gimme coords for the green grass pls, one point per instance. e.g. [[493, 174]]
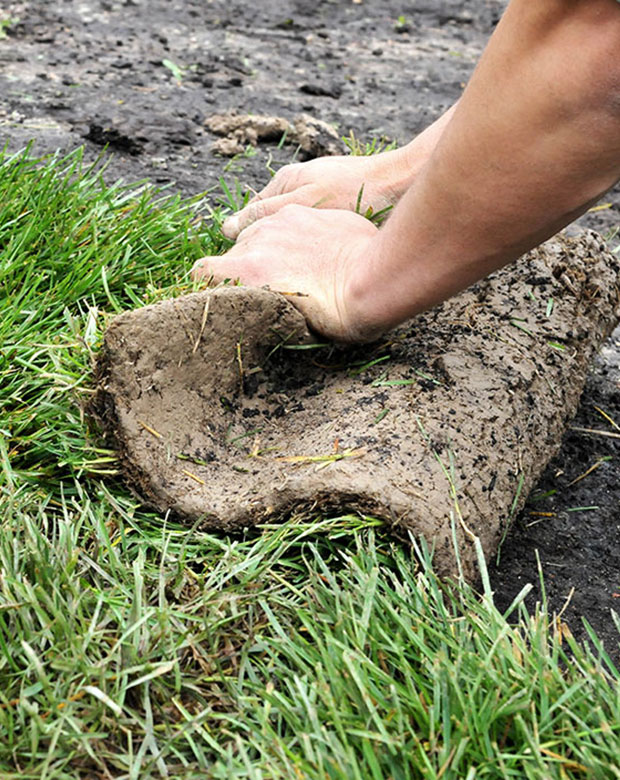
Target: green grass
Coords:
[[133, 647]]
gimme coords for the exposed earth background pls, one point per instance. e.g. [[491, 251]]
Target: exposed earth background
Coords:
[[142, 76]]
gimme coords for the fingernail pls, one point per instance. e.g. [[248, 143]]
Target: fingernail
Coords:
[[230, 227]]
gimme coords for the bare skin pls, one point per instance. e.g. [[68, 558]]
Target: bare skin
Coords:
[[533, 142], [336, 182]]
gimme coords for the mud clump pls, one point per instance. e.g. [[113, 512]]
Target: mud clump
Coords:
[[314, 137], [441, 429]]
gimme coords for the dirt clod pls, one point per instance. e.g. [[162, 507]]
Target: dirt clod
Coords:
[[314, 137], [218, 418]]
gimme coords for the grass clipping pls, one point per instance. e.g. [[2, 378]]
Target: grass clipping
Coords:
[[225, 413]]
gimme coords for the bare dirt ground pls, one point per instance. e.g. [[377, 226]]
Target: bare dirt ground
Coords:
[[143, 75]]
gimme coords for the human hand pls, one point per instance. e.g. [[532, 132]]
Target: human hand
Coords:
[[344, 182], [353, 183], [309, 255]]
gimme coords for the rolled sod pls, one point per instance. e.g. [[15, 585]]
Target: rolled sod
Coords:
[[227, 413]]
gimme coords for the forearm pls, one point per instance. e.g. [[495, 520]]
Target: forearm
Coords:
[[534, 140]]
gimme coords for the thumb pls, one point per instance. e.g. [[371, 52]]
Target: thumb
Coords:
[[258, 209]]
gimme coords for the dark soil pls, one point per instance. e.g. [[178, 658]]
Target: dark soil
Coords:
[[91, 72]]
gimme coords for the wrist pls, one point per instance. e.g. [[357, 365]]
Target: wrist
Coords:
[[380, 291], [398, 169]]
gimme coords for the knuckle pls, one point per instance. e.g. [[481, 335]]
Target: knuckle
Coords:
[[287, 170], [255, 211], [287, 178]]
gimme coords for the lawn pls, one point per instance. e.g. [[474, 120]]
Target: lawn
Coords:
[[134, 647]]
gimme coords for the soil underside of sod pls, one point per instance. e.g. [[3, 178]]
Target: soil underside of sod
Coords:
[[93, 73]]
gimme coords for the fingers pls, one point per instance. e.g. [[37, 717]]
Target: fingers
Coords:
[[217, 269], [247, 232], [287, 179], [257, 209], [242, 263]]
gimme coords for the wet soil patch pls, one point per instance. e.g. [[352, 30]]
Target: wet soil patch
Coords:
[[100, 72]]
